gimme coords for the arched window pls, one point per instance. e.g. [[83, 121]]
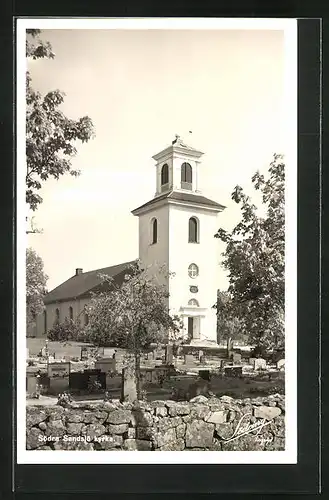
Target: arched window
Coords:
[[57, 315], [86, 319], [193, 230], [186, 176], [193, 302], [154, 237], [164, 174], [193, 271], [71, 313]]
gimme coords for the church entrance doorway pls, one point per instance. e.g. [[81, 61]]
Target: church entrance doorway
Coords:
[[193, 327]]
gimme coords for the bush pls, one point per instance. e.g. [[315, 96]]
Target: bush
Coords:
[[68, 330]]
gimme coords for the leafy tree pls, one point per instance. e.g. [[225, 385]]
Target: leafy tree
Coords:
[[36, 281], [133, 315], [50, 135], [254, 258]]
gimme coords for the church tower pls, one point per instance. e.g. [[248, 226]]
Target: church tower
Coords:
[[176, 233]]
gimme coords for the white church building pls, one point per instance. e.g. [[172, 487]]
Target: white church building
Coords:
[[176, 234]]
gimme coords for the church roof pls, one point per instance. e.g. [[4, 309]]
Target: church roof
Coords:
[[182, 196], [82, 284], [180, 146]]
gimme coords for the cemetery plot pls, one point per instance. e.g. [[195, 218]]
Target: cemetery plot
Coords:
[[58, 369], [106, 365]]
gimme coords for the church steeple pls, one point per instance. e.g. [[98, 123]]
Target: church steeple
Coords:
[[177, 168]]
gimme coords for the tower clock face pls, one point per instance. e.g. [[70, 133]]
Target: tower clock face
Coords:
[[194, 289]]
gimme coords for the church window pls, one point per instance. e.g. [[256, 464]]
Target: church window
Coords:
[[193, 271], [86, 319], [154, 227], [186, 176], [71, 313], [193, 302], [193, 230], [164, 174], [57, 316]]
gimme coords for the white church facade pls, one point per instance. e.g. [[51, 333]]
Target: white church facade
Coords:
[[176, 246], [176, 230]]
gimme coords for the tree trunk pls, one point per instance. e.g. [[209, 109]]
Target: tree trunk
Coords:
[[137, 372]]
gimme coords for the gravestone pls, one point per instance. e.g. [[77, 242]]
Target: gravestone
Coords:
[[204, 374], [58, 369], [201, 356], [223, 363], [106, 365], [281, 364], [236, 358], [84, 354], [169, 354], [252, 362], [58, 385], [79, 381], [189, 359], [108, 352], [128, 385], [157, 353], [31, 384], [233, 371], [260, 364]]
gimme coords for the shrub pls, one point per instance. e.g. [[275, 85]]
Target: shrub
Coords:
[[67, 330]]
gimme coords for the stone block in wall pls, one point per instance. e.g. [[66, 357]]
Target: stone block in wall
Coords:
[[74, 445], [165, 438], [169, 422], [55, 428], [267, 412], [110, 442], [93, 430], [74, 428], [200, 411], [119, 417], [33, 438], [55, 412], [161, 411], [142, 418], [247, 442], [35, 416], [180, 430], [117, 428], [131, 433], [179, 409], [224, 430], [177, 445], [137, 444], [199, 434], [217, 417], [199, 399]]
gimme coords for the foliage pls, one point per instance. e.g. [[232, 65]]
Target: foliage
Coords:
[[229, 326], [67, 330], [132, 315], [50, 135], [36, 281], [254, 258]]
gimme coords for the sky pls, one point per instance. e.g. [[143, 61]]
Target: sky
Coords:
[[140, 88]]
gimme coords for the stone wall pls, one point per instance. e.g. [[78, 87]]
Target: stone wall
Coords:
[[201, 424]]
